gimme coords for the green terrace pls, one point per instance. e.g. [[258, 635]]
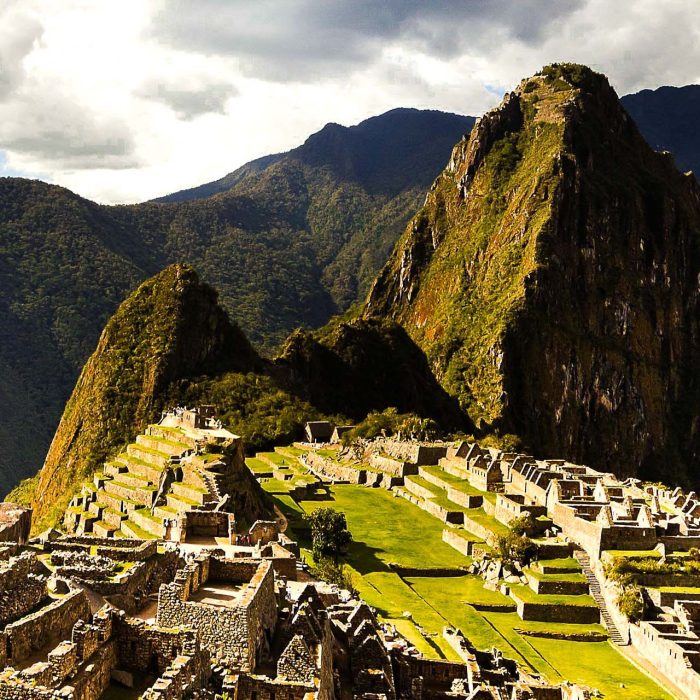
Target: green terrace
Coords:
[[529, 596], [458, 483], [393, 530]]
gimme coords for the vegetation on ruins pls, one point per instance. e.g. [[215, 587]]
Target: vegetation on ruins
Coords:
[[334, 572], [330, 536], [631, 603], [626, 569], [391, 422], [512, 548], [522, 524]]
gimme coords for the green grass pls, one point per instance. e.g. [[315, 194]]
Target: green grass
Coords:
[[577, 577], [564, 563], [277, 485], [479, 516], [529, 596], [257, 466], [601, 666], [387, 529], [274, 457]]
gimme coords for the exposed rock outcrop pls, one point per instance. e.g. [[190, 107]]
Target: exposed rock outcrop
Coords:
[[552, 280]]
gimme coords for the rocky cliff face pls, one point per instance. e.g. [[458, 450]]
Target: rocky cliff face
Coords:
[[352, 367], [170, 329], [552, 280]]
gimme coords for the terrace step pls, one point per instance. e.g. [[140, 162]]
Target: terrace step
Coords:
[[144, 520], [116, 503], [131, 530], [137, 466], [150, 456], [191, 492], [595, 591], [131, 493], [163, 445]]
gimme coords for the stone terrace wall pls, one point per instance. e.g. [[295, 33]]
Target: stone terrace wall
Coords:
[[117, 549], [334, 471], [232, 633], [22, 638], [409, 451], [15, 523]]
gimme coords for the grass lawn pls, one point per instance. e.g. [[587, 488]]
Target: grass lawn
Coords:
[[564, 564], [555, 576], [257, 466], [601, 666], [388, 529], [529, 596], [478, 515]]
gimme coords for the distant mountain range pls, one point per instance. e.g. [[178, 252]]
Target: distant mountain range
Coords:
[[668, 119], [288, 240]]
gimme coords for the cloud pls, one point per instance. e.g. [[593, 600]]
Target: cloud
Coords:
[[188, 102], [127, 101], [306, 40], [19, 33]]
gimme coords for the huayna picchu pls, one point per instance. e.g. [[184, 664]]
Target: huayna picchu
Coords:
[[551, 280]]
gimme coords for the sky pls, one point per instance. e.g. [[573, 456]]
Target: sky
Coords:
[[125, 100]]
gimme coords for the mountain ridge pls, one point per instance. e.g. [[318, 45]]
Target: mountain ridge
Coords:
[[292, 244], [555, 202]]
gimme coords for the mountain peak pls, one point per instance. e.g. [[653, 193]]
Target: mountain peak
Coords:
[[169, 329], [531, 278]]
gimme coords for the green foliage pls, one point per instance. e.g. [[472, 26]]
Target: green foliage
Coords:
[[626, 569], [291, 241], [335, 572], [631, 603], [253, 406], [329, 533], [515, 548], [523, 524], [391, 422]]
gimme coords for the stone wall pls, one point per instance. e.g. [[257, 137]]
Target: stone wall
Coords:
[[539, 612], [667, 657], [208, 523], [56, 620], [414, 452], [447, 516], [117, 549], [333, 471], [235, 634], [556, 587], [462, 545], [15, 523]]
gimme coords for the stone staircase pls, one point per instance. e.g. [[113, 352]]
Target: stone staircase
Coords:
[[132, 497], [595, 591]]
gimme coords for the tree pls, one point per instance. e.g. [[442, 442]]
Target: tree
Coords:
[[631, 603], [329, 533], [331, 572], [513, 547]]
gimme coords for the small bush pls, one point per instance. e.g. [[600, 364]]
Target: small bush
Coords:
[[523, 524], [631, 603], [331, 572]]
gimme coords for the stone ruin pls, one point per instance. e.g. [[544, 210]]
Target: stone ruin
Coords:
[[82, 616], [173, 481]]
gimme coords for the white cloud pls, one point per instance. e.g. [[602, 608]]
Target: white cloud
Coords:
[[123, 101]]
